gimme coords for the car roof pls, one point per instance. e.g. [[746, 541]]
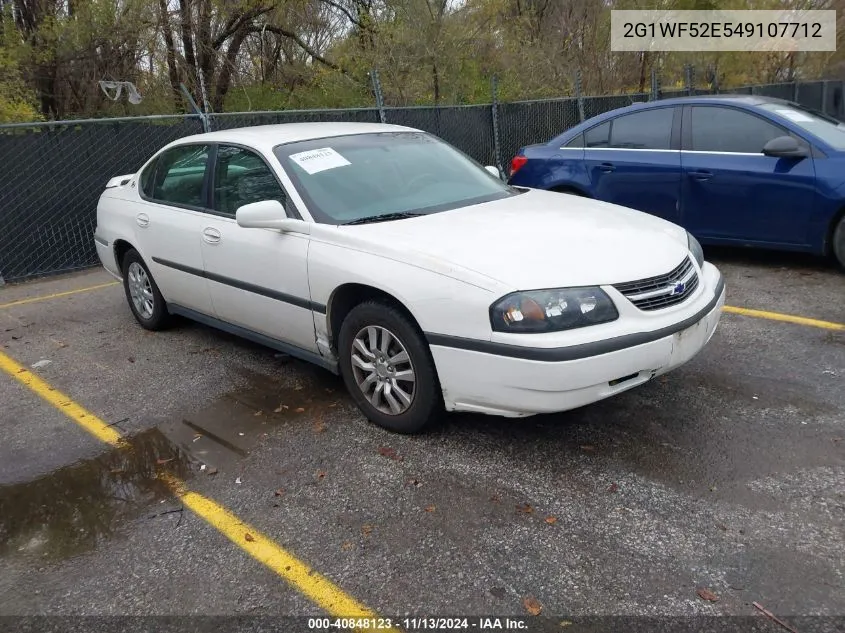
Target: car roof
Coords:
[[266, 137]]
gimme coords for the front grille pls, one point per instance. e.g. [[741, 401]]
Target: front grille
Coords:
[[662, 291]]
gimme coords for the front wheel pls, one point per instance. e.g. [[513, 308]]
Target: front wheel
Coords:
[[839, 242], [387, 367]]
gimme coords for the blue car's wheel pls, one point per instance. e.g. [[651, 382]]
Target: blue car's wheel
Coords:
[[839, 242]]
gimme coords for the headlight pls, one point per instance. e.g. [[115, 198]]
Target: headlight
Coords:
[[538, 311], [695, 249]]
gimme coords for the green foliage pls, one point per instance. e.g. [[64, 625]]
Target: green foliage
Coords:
[[303, 54]]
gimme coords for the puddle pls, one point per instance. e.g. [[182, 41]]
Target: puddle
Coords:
[[222, 433], [71, 510]]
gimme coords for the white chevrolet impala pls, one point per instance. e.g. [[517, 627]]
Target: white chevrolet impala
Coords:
[[384, 254]]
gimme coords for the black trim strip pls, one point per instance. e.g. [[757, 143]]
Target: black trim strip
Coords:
[[261, 339], [574, 352], [100, 240], [242, 285]]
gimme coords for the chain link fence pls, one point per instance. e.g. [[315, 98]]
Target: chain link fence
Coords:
[[55, 172]]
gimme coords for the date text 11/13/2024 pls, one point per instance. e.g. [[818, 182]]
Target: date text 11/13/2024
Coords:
[[418, 624]]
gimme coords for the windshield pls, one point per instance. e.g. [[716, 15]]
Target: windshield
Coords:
[[819, 125], [347, 178]]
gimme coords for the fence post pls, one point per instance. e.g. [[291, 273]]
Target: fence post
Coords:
[[689, 75], [795, 87], [206, 125], [715, 83], [824, 97], [379, 96], [655, 86], [578, 96], [497, 148]]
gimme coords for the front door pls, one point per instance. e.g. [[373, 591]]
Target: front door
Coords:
[[258, 278], [731, 190]]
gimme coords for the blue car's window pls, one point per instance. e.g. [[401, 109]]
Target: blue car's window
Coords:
[[716, 129], [360, 176], [830, 131], [598, 136], [649, 129]]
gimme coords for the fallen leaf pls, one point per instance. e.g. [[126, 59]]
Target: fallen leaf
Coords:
[[551, 520], [613, 487], [258, 413], [163, 461], [532, 605], [366, 529], [116, 471], [722, 527], [319, 425], [212, 471], [415, 482], [249, 537], [346, 545], [706, 594], [321, 474], [280, 408], [131, 359], [386, 451], [495, 499], [525, 509], [430, 508], [589, 448], [299, 410], [279, 492], [298, 388]]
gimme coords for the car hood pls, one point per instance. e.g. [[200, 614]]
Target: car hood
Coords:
[[538, 239]]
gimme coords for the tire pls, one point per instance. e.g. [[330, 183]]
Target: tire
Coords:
[[150, 310], [571, 192], [420, 402], [838, 245]]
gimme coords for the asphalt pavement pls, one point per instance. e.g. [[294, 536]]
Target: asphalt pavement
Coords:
[[714, 487]]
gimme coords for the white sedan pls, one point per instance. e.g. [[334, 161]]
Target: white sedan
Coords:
[[384, 254]]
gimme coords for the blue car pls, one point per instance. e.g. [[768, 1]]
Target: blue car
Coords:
[[731, 169]]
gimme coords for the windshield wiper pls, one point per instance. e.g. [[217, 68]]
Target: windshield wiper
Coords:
[[384, 217]]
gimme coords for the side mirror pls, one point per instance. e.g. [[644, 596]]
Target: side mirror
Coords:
[[494, 170], [784, 147], [269, 214]]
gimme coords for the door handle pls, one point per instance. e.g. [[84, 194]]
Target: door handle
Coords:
[[143, 220], [607, 167], [700, 175], [211, 235]]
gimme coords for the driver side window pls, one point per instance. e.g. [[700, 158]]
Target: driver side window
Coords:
[[242, 177], [717, 129]]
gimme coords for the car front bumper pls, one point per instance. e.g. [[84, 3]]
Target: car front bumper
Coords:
[[507, 385]]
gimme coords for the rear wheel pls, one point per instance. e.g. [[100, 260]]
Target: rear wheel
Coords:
[[839, 242], [142, 293], [387, 367]]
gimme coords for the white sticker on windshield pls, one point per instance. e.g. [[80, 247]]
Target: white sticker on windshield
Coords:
[[317, 160], [795, 115]]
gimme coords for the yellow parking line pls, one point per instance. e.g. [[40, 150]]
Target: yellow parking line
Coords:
[[56, 295], [787, 318], [300, 575], [84, 418]]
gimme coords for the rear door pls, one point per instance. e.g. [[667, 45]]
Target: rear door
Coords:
[[634, 160], [731, 190], [258, 278], [168, 221]]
